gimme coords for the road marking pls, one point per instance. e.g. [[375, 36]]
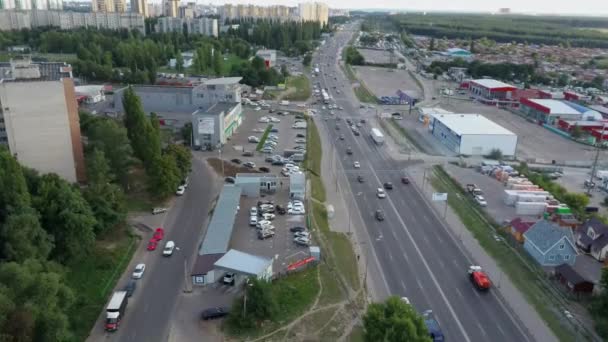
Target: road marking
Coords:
[[458, 291], [403, 285], [483, 331]]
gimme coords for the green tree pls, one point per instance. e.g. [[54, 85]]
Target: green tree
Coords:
[[394, 321], [284, 71], [65, 215], [432, 44], [163, 176], [599, 307], [261, 306], [23, 238], [186, 134], [218, 63], [145, 139], [307, 59], [495, 154], [182, 157], [179, 62]]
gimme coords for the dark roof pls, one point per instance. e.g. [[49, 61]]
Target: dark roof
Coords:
[[520, 225], [570, 274], [600, 242], [597, 225], [204, 263], [600, 229]]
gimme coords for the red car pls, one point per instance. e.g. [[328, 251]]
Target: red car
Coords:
[[152, 244], [479, 278], [159, 233]]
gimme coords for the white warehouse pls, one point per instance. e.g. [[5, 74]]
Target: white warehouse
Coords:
[[472, 134]]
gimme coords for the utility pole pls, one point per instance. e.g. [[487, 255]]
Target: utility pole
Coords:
[[597, 156]]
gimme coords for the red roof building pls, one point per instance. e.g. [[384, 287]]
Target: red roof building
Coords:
[[492, 92]]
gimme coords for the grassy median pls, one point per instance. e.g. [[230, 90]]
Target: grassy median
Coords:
[[524, 278], [260, 145]]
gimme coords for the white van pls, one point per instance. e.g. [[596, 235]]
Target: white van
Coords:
[[169, 247]]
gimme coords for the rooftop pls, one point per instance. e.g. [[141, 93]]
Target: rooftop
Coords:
[[492, 84], [544, 235], [204, 263], [223, 81], [242, 262], [463, 124], [221, 225], [216, 108]]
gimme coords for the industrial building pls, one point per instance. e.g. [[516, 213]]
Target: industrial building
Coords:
[[472, 134], [44, 134], [212, 127], [550, 111], [184, 99], [269, 57], [253, 184], [490, 91]]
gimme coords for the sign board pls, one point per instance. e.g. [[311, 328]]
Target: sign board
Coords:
[[206, 126], [440, 196]]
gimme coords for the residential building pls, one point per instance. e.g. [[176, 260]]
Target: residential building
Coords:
[[277, 12], [155, 10], [491, 91], [171, 8], [140, 7], [104, 6], [31, 5], [339, 12], [472, 134], [43, 134], [550, 245], [204, 26], [314, 11], [592, 238], [573, 280], [120, 6], [518, 227], [213, 126], [550, 111], [22, 67], [187, 11], [269, 57], [16, 20]]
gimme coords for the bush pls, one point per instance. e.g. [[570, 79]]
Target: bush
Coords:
[[495, 154]]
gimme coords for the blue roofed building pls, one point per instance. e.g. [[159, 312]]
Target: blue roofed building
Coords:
[[458, 52], [550, 245]]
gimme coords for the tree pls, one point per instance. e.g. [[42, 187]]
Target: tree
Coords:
[[284, 71], [65, 215], [599, 307], [307, 59], [182, 157], [432, 44], [394, 321], [144, 138], [98, 169], [186, 134], [261, 306], [23, 238], [179, 62], [218, 63], [577, 132], [163, 176]]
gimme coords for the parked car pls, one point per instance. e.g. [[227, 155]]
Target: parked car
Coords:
[[139, 270], [229, 278], [180, 190], [302, 234], [152, 244], [302, 241], [169, 247], [281, 210], [253, 220], [156, 211], [265, 234], [481, 200], [250, 165], [300, 135], [159, 234], [213, 313], [236, 161], [264, 169], [253, 139], [247, 153], [230, 180], [297, 229]]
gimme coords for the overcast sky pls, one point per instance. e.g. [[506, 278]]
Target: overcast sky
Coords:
[[592, 7]]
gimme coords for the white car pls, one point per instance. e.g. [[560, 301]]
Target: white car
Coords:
[[406, 300], [258, 108], [302, 241], [268, 216], [302, 234], [356, 165], [253, 221], [380, 193], [263, 120], [294, 203], [296, 211], [139, 271], [169, 247], [263, 223], [300, 141], [253, 211], [180, 190], [481, 201], [253, 139], [275, 120]]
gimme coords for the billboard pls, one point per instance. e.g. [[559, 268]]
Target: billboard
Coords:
[[206, 126]]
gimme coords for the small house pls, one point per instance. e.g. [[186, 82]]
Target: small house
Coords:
[[517, 228], [549, 244], [592, 238], [572, 280]]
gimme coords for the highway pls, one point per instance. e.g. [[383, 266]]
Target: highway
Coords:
[[417, 255]]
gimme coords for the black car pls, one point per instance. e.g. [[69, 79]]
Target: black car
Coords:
[[297, 229], [130, 287], [379, 215], [270, 110], [337, 127], [230, 180], [362, 121], [236, 161], [356, 132], [349, 151], [300, 135], [213, 313], [388, 186], [360, 179], [264, 169], [281, 210], [265, 202], [269, 159], [405, 180], [247, 154], [341, 136]]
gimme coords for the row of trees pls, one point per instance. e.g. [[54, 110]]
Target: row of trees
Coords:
[[538, 30], [504, 71], [353, 56]]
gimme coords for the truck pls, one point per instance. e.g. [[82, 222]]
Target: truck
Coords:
[[116, 310], [377, 136], [474, 190]]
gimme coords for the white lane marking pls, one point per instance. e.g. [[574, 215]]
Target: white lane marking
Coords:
[[404, 287], [458, 291], [424, 262], [440, 261], [483, 331], [390, 256]]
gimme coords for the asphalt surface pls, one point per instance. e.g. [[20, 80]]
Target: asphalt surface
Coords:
[[418, 256], [149, 311]]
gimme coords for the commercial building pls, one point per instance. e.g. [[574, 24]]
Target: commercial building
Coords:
[[16, 20], [184, 99], [297, 186], [550, 111], [23, 68], [269, 57], [472, 134], [211, 127], [253, 184], [314, 11], [43, 134], [244, 265], [204, 26], [491, 91]]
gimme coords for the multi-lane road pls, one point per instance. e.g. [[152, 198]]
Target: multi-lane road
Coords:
[[416, 254]]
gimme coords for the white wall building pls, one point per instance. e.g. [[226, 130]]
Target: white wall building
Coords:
[[204, 26], [314, 11], [472, 134]]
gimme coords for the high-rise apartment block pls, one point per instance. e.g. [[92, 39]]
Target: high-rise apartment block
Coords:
[[310, 11], [140, 7], [171, 8], [314, 11], [204, 26], [31, 4], [16, 20]]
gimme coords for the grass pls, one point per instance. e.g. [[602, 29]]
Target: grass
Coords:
[[301, 84], [356, 335], [524, 278], [264, 137], [332, 291], [93, 278], [394, 126], [313, 161], [363, 94]]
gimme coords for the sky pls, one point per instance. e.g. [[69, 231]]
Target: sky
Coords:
[[585, 7]]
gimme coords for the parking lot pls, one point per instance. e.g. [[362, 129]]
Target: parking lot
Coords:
[[386, 82]]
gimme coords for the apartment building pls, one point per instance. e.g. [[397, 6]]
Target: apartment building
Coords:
[[314, 11], [31, 4], [16, 20], [140, 7], [204, 26], [279, 12], [43, 134], [171, 8]]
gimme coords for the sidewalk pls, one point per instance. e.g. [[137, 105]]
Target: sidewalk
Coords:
[[514, 300]]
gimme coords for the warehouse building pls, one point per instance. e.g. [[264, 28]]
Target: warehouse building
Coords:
[[490, 91], [254, 184], [472, 134], [549, 111], [211, 127]]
